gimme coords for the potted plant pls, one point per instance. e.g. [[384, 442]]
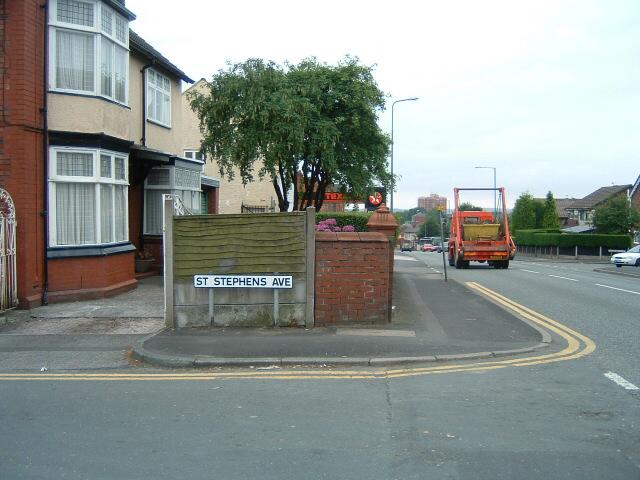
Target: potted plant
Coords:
[[144, 260]]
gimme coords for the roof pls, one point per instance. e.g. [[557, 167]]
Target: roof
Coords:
[[599, 196], [209, 181], [562, 204], [579, 229], [636, 187], [408, 228], [137, 43]]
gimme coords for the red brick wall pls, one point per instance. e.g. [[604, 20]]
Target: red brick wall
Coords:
[[21, 136], [90, 277], [352, 278]]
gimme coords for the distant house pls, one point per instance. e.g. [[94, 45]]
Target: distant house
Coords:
[[409, 232], [634, 195], [582, 210], [561, 210]]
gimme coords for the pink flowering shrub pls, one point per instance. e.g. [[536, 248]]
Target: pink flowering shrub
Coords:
[[330, 225]]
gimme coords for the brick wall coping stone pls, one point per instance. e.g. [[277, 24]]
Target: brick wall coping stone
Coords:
[[350, 237]]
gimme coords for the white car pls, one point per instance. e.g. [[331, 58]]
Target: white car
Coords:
[[630, 257]]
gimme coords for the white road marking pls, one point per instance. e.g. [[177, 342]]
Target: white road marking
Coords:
[[530, 271], [614, 377], [564, 278], [619, 289]]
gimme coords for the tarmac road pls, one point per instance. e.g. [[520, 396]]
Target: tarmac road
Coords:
[[564, 419]]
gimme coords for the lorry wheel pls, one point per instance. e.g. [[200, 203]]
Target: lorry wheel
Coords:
[[465, 264], [451, 262], [497, 265], [505, 264], [458, 262]]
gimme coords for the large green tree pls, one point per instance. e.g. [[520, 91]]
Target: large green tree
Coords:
[[616, 216], [550, 217], [524, 213], [313, 126]]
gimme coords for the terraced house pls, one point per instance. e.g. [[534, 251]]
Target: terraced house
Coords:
[[89, 142]]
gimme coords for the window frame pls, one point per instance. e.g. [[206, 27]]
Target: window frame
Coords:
[[97, 180], [98, 35], [194, 153], [155, 90]]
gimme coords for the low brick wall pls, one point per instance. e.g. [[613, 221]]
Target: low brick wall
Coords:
[[352, 278]]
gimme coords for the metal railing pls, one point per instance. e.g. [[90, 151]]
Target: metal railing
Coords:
[[8, 272]]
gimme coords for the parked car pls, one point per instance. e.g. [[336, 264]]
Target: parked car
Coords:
[[630, 257], [406, 247], [428, 247]]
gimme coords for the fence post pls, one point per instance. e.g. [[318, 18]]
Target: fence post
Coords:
[[576, 252], [309, 320], [600, 252], [169, 318]]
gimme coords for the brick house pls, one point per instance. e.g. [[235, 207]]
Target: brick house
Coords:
[[582, 210], [90, 139]]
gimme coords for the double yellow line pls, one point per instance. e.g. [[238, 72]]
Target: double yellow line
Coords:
[[578, 346]]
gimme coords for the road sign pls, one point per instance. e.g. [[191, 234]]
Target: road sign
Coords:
[[243, 281]]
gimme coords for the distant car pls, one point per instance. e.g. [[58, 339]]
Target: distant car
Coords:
[[406, 247], [428, 247], [630, 257]]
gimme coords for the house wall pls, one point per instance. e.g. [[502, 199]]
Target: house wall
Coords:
[[232, 194], [352, 278], [21, 137], [74, 279], [76, 113]]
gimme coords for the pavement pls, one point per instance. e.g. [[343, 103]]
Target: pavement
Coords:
[[432, 321]]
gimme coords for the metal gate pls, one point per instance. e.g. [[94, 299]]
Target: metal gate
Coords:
[[8, 278]]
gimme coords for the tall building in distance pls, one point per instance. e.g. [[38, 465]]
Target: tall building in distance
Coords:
[[432, 201]]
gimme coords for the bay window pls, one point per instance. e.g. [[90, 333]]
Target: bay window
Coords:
[[89, 49], [88, 197]]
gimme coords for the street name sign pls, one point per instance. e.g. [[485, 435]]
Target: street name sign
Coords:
[[243, 281]]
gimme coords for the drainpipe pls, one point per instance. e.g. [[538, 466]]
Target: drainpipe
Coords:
[[45, 151], [143, 142]]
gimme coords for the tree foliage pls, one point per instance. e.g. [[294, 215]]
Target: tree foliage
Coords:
[[469, 207], [616, 216], [311, 124], [524, 212], [550, 217], [431, 227]]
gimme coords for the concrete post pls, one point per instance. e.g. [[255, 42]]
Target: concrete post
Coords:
[[169, 317], [383, 221], [309, 320]]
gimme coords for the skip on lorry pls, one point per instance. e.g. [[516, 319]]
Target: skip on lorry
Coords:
[[479, 236]]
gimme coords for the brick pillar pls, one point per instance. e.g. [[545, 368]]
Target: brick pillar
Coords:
[[384, 222]]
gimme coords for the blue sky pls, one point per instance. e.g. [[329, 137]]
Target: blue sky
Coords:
[[547, 92]]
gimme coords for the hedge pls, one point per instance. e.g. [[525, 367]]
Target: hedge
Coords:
[[545, 238], [357, 219]]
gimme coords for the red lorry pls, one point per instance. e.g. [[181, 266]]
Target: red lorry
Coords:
[[481, 236]]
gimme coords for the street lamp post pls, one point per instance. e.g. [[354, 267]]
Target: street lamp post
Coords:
[[495, 201], [411, 99]]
